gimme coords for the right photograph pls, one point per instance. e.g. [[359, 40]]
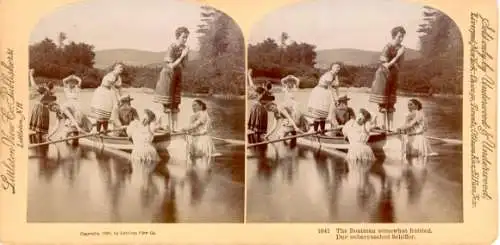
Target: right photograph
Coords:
[[354, 114]]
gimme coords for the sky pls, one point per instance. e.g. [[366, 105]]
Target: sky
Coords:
[[113, 24], [328, 24]]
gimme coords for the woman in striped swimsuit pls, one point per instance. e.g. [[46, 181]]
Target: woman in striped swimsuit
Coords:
[[105, 101], [257, 121], [169, 85], [384, 87], [40, 114], [321, 98]]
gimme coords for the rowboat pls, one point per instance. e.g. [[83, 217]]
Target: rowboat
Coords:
[[125, 143], [161, 138], [376, 140]]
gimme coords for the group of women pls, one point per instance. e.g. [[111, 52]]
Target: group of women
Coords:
[[325, 96], [104, 109]]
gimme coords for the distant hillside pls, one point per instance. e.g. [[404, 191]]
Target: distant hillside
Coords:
[[354, 56], [105, 58]]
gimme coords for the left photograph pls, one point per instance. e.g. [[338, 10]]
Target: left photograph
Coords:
[[137, 114]]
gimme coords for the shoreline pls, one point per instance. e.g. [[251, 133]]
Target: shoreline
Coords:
[[151, 91], [366, 90], [344, 90]]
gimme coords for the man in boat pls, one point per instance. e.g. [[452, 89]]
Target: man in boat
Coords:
[[126, 113], [342, 114]]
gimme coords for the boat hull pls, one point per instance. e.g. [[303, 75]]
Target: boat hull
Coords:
[[383, 146], [340, 143], [160, 140]]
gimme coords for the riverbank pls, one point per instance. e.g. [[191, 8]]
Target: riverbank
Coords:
[[58, 89], [366, 90]]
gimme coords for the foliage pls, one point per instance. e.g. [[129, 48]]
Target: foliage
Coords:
[[270, 59], [222, 65], [220, 69]]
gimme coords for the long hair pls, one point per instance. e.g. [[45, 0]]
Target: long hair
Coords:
[[366, 114], [151, 117]]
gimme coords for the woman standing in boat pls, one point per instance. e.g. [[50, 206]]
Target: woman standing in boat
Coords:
[[416, 145], [321, 98], [40, 114], [384, 87], [169, 85], [360, 156], [199, 141], [105, 101]]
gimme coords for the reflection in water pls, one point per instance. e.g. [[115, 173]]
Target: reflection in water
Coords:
[[82, 184], [110, 189], [287, 184], [304, 185], [168, 210]]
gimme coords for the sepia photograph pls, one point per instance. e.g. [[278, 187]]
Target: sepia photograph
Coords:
[[137, 114], [354, 114]]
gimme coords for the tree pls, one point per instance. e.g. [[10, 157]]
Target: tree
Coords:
[[221, 52], [441, 47], [61, 38], [55, 62], [273, 60], [283, 39]]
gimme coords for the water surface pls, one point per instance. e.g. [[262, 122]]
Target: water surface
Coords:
[[82, 184], [303, 184]]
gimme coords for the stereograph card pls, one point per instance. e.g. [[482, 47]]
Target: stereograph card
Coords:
[[248, 122]]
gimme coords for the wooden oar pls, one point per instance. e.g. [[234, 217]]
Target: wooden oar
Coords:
[[287, 138], [449, 141], [230, 141], [445, 140], [74, 137]]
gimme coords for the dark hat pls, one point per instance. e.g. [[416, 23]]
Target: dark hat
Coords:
[[260, 90], [266, 97], [48, 98], [343, 98]]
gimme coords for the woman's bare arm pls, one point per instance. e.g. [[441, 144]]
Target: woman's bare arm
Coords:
[[398, 55], [66, 79], [274, 127], [290, 119], [176, 62]]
